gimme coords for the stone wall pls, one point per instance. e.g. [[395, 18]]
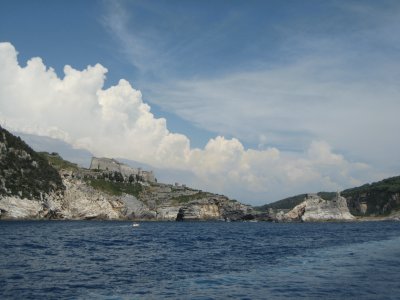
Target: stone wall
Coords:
[[112, 165], [105, 164]]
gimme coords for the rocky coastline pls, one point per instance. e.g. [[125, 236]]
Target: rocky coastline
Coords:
[[35, 186], [314, 208], [80, 201], [161, 202]]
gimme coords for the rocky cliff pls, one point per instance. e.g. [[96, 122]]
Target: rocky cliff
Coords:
[[314, 208], [44, 186], [214, 208], [80, 200], [373, 201]]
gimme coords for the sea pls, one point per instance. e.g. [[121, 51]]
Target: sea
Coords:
[[199, 260]]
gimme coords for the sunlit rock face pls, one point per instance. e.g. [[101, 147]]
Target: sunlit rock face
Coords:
[[80, 201], [17, 208], [83, 202], [314, 208], [44, 186]]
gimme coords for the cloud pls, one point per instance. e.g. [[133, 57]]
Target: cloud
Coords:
[[335, 80], [115, 122], [77, 109], [292, 105], [116, 22]]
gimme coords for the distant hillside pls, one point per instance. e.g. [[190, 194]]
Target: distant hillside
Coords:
[[290, 202], [287, 203], [23, 172], [378, 198], [57, 162]]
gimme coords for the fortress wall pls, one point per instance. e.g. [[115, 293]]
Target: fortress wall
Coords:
[[111, 165], [105, 164], [148, 176], [127, 171]]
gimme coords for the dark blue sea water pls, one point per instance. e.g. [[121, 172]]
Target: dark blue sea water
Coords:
[[204, 260]]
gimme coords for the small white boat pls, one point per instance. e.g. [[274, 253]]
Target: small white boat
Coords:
[[135, 225]]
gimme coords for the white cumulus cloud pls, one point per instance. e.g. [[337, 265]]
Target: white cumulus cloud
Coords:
[[115, 122]]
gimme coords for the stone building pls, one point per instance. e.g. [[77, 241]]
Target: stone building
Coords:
[[105, 164], [112, 165], [147, 176]]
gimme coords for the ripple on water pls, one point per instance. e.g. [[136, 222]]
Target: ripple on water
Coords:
[[109, 260]]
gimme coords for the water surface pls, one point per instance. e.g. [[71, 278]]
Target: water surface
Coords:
[[204, 260]]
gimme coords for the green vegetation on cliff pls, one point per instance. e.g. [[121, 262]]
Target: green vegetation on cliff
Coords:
[[23, 172], [380, 197], [111, 183], [287, 203], [56, 161], [115, 188], [290, 202]]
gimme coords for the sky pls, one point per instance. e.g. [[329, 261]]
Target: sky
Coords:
[[257, 100]]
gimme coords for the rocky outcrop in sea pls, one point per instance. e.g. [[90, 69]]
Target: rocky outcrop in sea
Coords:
[[314, 208]]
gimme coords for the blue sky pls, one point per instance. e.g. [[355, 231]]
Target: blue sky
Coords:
[[290, 76]]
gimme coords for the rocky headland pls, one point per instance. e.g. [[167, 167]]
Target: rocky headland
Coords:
[[44, 186], [370, 202], [314, 208]]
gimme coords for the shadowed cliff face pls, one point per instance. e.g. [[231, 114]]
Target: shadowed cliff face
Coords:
[[214, 208], [378, 198]]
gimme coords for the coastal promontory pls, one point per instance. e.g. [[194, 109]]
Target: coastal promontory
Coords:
[[45, 186]]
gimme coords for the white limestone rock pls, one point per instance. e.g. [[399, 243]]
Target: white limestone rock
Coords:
[[17, 208], [167, 213], [159, 202], [314, 208], [202, 209], [135, 209], [80, 201]]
